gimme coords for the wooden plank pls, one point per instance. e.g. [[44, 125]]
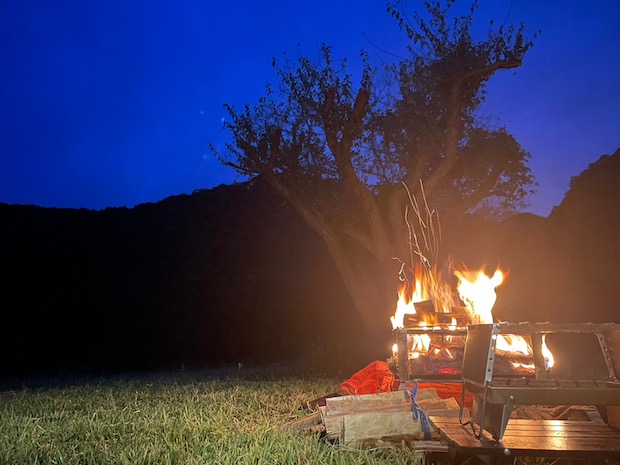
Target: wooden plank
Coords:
[[558, 424], [538, 428], [420, 448], [544, 438], [536, 446], [348, 404], [570, 433], [429, 406], [535, 442], [532, 447], [430, 446]]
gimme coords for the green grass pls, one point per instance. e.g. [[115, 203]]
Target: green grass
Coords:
[[182, 420]]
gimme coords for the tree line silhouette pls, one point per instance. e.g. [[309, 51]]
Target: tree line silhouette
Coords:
[[233, 275]]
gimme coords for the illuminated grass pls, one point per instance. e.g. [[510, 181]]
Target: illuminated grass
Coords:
[[208, 421]]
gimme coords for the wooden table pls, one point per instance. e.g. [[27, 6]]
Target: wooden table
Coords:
[[555, 439]]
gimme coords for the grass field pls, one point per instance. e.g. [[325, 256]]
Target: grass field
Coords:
[[172, 419]]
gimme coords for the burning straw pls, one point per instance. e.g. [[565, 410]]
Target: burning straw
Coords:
[[422, 281]]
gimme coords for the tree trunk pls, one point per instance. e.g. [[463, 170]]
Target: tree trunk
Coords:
[[372, 284], [373, 287]]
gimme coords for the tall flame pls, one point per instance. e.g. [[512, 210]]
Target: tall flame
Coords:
[[427, 285], [477, 291], [405, 306]]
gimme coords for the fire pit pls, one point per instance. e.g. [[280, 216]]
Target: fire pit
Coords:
[[430, 342], [496, 395], [499, 366], [430, 352]]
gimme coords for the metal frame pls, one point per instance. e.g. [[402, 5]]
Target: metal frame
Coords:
[[478, 364], [497, 401], [403, 352]]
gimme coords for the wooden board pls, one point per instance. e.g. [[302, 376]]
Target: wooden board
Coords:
[[348, 404], [535, 438]]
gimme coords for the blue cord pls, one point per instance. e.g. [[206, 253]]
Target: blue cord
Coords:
[[417, 412]]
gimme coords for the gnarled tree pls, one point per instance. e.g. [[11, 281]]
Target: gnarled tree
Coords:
[[352, 160]]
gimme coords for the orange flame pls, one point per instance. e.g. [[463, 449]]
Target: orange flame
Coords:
[[547, 355], [513, 343], [421, 342], [405, 306], [427, 285], [476, 290]]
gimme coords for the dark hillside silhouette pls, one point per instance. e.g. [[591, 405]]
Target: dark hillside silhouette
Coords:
[[562, 268], [587, 224], [520, 245], [232, 275], [226, 275]]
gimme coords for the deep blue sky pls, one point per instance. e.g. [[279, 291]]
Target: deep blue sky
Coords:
[[108, 103]]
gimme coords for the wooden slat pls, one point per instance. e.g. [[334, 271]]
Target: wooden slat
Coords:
[[540, 428], [374, 425], [543, 438], [542, 434], [561, 447]]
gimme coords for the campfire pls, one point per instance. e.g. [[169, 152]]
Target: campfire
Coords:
[[434, 316], [430, 325], [448, 341]]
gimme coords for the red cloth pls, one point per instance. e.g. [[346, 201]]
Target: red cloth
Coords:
[[374, 378], [377, 377], [447, 390]]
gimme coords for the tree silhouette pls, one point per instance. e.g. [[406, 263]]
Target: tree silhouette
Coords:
[[354, 161]]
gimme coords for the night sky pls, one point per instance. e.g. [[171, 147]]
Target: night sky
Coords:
[[111, 103]]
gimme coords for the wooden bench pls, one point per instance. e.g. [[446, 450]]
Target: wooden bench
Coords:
[[496, 397], [554, 439]]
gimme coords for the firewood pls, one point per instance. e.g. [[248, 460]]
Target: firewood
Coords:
[[361, 426], [309, 423], [355, 420]]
